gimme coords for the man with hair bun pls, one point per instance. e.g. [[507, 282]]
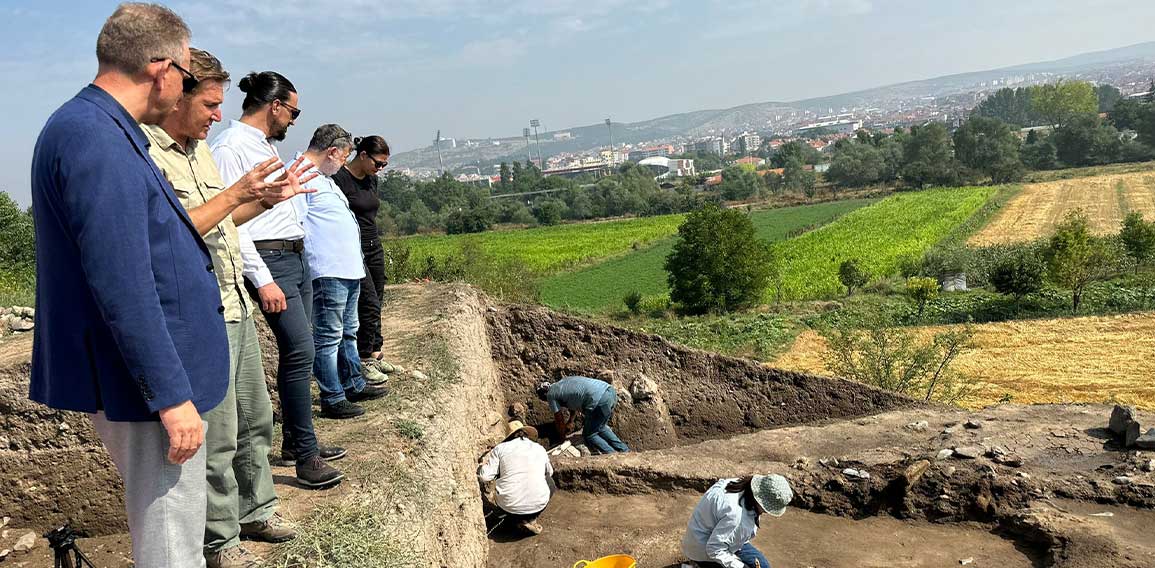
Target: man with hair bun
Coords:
[[276, 270], [130, 327], [241, 497]]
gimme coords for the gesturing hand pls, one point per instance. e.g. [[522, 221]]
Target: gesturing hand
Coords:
[[186, 431], [293, 181], [252, 186]]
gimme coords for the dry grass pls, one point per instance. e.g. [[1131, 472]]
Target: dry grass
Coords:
[[1035, 211], [1091, 359]]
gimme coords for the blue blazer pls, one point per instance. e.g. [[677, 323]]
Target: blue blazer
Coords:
[[128, 312]]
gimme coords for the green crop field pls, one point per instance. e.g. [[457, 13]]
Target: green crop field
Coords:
[[548, 250], [879, 236], [603, 285]]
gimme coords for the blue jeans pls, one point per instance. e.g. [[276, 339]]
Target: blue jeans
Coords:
[[596, 430], [337, 366], [292, 329], [747, 554]]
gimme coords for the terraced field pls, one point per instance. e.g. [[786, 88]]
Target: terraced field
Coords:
[[1034, 212], [603, 285]]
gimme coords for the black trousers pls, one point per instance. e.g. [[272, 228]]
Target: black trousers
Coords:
[[369, 304]]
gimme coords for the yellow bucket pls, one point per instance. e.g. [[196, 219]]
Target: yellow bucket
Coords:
[[615, 561]]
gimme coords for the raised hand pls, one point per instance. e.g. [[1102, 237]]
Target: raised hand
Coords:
[[293, 180], [252, 186]]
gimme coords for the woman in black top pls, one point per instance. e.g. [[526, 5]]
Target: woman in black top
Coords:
[[358, 181]]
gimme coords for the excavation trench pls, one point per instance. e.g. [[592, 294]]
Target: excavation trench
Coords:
[[871, 489]]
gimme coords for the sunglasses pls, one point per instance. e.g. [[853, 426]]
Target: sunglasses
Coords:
[[378, 163], [293, 111], [189, 81]]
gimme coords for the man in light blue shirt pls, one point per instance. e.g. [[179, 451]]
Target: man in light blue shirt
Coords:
[[594, 400], [333, 251]]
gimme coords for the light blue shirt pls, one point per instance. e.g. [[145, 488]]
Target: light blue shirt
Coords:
[[332, 237], [576, 393], [719, 527]]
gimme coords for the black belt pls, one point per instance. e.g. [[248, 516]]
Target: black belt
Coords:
[[297, 246]]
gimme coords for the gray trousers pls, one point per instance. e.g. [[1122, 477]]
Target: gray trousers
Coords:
[[165, 502], [240, 431]]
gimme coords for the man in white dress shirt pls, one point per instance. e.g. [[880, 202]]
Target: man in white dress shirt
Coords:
[[333, 251], [272, 250]]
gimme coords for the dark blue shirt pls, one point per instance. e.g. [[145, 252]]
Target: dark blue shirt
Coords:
[[128, 312], [576, 393]]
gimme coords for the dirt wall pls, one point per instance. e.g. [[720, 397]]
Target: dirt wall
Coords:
[[700, 395]]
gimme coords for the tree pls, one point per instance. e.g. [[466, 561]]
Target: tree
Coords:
[[1086, 141], [467, 221], [1128, 113], [1138, 238], [1018, 273], [1039, 154], [921, 291], [795, 150], [856, 164], [1108, 97], [718, 264], [1012, 106], [989, 146], [929, 158], [738, 184], [549, 211], [852, 275], [17, 238], [1075, 258], [1057, 103], [796, 177], [506, 183]]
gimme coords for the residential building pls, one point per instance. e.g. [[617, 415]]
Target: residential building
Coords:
[[748, 142], [664, 150]]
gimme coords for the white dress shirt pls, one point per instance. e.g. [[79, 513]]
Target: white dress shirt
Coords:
[[237, 150], [719, 527], [332, 235], [520, 467]]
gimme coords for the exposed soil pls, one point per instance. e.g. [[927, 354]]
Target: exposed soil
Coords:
[[1065, 360], [700, 395]]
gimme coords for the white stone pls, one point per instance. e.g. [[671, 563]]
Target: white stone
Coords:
[[26, 542], [944, 454], [643, 388], [919, 426], [856, 473]]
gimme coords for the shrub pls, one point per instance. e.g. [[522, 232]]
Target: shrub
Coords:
[[1138, 238], [894, 358], [1018, 273], [656, 305], [1075, 258], [921, 290], [718, 264], [852, 275], [633, 302]]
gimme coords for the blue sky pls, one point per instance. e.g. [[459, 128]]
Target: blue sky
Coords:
[[405, 68]]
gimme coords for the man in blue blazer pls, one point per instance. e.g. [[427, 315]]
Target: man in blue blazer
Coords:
[[130, 326]]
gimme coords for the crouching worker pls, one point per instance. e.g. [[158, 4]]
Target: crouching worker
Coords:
[[726, 520], [595, 400], [524, 477]]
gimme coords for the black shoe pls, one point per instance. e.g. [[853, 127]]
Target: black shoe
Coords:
[[315, 473], [341, 410], [367, 393], [328, 453]]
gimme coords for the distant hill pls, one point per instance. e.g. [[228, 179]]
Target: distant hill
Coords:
[[702, 122]]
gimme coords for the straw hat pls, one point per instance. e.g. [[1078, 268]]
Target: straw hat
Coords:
[[517, 426], [772, 492]]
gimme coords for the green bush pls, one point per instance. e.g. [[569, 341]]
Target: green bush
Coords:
[[1075, 258], [718, 264], [852, 275], [921, 290], [1018, 273], [1138, 238], [656, 305], [633, 302]]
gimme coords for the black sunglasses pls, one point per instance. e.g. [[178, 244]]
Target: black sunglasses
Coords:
[[377, 163], [294, 111], [189, 81]]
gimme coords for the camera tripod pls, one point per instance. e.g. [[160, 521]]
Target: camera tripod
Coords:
[[62, 541]]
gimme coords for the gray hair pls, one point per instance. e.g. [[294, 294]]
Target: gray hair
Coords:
[[330, 136], [137, 33]]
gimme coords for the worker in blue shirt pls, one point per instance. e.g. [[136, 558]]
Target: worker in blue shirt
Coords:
[[594, 400]]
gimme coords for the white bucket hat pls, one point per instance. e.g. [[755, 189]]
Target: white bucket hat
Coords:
[[772, 492]]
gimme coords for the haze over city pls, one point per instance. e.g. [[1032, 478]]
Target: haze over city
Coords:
[[406, 69]]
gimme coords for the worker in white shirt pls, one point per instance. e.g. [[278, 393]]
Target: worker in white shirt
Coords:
[[523, 474], [272, 250], [333, 251], [726, 520]]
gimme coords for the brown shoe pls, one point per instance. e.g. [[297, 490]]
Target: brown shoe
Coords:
[[232, 557], [273, 529], [314, 473]]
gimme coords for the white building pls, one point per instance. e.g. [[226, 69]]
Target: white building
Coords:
[[748, 142], [665, 168], [831, 126]]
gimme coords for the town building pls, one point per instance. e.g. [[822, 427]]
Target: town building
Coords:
[[849, 126], [663, 150], [748, 142]]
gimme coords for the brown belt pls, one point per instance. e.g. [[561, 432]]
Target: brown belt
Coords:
[[297, 246]]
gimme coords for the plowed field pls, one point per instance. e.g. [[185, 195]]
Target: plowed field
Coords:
[[1034, 212]]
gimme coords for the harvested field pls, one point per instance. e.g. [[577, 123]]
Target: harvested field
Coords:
[[1035, 211], [1069, 360]]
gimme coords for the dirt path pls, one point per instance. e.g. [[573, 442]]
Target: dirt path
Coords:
[[583, 526]]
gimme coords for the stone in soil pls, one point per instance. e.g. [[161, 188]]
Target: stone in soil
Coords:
[[1146, 441], [968, 452], [919, 426], [973, 425], [1121, 416], [944, 454], [26, 542]]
